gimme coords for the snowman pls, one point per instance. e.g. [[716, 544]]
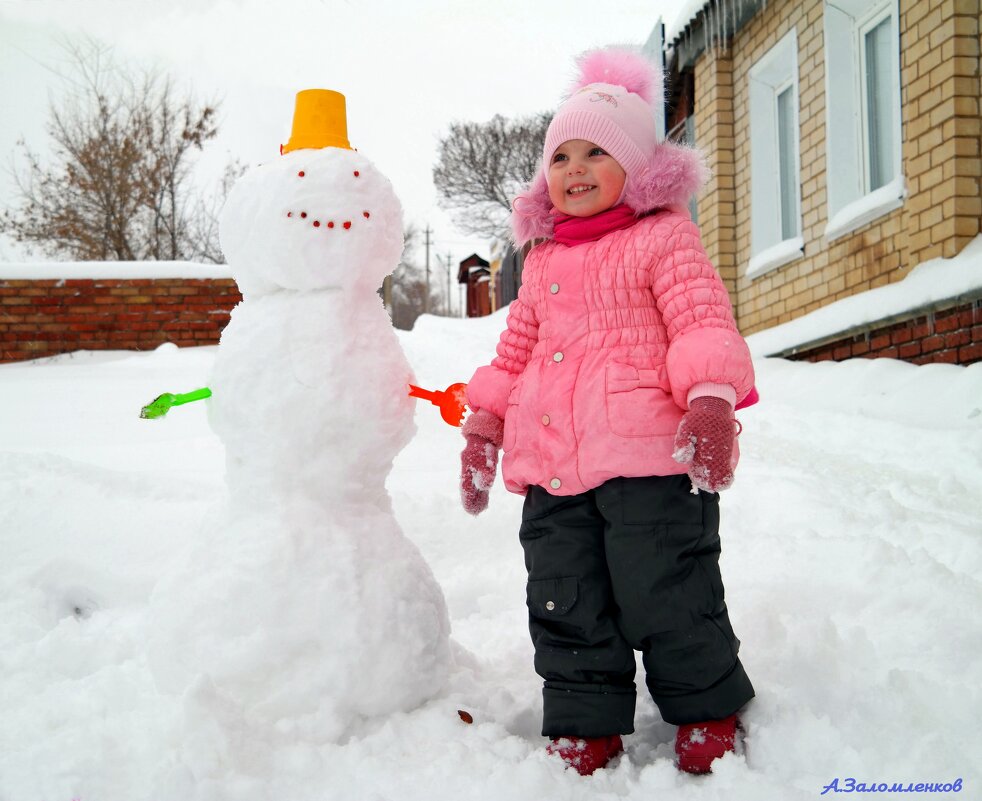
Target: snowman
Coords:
[[304, 611]]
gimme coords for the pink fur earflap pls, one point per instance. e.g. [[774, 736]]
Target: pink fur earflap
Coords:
[[673, 174], [620, 67], [532, 212]]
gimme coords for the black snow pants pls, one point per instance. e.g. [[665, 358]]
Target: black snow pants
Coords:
[[632, 565]]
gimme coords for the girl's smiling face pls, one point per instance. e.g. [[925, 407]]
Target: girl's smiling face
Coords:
[[584, 179]]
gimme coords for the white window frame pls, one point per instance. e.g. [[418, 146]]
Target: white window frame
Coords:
[[863, 28], [851, 203], [792, 84], [772, 74]]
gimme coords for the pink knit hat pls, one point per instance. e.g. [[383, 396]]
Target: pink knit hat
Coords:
[[610, 105]]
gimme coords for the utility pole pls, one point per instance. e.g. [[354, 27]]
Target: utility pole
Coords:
[[426, 299], [449, 296], [447, 263]]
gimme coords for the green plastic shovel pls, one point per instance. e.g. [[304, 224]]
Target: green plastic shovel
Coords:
[[162, 403]]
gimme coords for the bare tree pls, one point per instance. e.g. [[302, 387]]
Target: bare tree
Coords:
[[117, 186], [203, 220], [408, 284], [483, 165]]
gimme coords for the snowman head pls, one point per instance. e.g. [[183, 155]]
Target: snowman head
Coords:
[[315, 218]]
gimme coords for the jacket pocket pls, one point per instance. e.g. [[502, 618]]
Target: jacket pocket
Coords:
[[552, 598], [639, 401], [511, 418]]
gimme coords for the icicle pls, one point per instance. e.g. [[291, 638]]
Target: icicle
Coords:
[[721, 28], [707, 27], [710, 29], [716, 26]]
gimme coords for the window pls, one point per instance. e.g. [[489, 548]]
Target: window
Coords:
[[787, 148], [863, 159], [879, 132], [775, 172]]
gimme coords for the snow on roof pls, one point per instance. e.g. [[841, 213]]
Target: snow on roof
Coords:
[[927, 284], [688, 13], [47, 270]]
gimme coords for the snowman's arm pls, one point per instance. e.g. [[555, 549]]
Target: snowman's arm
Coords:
[[490, 386]]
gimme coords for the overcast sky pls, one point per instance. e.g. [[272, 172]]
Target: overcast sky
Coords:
[[407, 69]]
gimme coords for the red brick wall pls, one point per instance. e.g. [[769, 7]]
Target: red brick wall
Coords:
[[49, 316], [952, 336]]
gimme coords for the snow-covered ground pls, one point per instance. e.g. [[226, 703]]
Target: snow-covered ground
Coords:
[[852, 556]]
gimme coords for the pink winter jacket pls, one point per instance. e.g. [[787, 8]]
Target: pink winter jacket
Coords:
[[604, 347]]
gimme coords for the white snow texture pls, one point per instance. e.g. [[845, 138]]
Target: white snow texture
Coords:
[[851, 559]]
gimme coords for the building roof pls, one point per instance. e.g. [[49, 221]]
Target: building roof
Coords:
[[468, 265], [689, 12], [474, 260], [702, 24]]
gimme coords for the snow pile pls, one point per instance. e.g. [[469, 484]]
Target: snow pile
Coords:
[[686, 14], [47, 270], [268, 612], [929, 283], [850, 554]]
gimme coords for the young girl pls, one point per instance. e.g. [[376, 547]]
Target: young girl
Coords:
[[612, 396]]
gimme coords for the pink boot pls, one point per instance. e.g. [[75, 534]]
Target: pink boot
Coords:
[[586, 754], [698, 744]]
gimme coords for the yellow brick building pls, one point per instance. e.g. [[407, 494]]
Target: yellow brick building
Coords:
[[844, 139]]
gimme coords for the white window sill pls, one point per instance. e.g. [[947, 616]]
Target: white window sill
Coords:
[[866, 209], [775, 256]]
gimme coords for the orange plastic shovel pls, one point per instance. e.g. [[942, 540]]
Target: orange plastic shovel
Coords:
[[452, 401]]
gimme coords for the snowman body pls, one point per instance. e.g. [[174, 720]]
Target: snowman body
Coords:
[[316, 610], [310, 398]]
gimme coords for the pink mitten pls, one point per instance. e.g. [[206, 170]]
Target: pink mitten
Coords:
[[479, 459], [705, 441]]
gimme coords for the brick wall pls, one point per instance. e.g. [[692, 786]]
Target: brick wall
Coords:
[[949, 336], [43, 317], [714, 134], [941, 95], [941, 158]]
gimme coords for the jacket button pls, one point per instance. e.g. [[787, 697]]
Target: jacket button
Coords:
[[558, 356], [554, 288], [545, 419], [555, 483], [550, 605]]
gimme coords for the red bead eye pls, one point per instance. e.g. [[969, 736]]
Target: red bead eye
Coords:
[[347, 225], [300, 174], [289, 214], [330, 225], [317, 224], [303, 214], [367, 215], [357, 173]]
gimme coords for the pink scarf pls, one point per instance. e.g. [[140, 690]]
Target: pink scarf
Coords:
[[570, 230]]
